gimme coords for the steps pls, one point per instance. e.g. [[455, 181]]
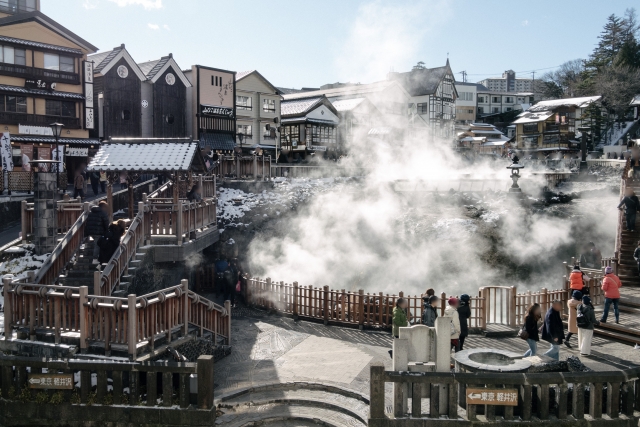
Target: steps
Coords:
[[301, 404], [81, 271]]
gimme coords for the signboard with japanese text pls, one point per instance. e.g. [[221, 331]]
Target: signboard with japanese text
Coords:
[[39, 84], [6, 152], [497, 396], [216, 110], [77, 152], [318, 148], [89, 120], [35, 130], [51, 381]]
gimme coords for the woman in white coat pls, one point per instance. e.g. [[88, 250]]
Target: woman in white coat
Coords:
[[452, 312]]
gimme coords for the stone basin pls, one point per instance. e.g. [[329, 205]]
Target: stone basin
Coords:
[[490, 360]]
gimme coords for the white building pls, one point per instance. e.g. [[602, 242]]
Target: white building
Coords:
[[492, 102], [508, 83], [257, 110], [466, 102]]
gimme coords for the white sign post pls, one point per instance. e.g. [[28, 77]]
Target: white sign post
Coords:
[[7, 157]]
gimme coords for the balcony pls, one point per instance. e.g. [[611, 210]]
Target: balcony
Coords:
[[9, 118], [16, 70]]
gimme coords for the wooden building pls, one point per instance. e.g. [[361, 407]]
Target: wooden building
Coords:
[[117, 87], [164, 97], [43, 80], [211, 106]]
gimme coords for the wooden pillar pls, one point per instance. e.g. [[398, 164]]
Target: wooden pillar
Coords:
[[110, 199], [376, 391], [8, 308], [84, 318], [132, 323], [23, 222], [295, 300], [204, 370], [185, 306], [97, 275], [255, 167]]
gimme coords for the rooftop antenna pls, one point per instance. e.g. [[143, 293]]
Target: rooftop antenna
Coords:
[[464, 76]]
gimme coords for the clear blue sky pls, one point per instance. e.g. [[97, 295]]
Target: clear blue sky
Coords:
[[296, 43]]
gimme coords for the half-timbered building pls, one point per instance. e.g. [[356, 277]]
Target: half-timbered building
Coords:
[[164, 97], [433, 96], [42, 81], [117, 88]]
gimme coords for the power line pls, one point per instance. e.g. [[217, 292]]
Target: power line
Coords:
[[525, 71]]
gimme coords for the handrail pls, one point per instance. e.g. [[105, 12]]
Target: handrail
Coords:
[[623, 187], [68, 245]]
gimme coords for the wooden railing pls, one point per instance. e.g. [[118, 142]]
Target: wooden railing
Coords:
[[243, 167], [112, 321], [173, 377], [308, 171], [165, 218], [623, 187], [66, 215], [539, 397], [64, 250], [106, 281]]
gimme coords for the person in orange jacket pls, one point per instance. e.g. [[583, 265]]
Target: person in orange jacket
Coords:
[[611, 286], [578, 281]]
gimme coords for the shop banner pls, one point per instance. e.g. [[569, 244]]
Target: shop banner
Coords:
[[58, 154], [26, 152], [7, 156], [77, 152]]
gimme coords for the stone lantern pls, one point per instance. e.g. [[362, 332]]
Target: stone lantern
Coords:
[[515, 167], [45, 199]]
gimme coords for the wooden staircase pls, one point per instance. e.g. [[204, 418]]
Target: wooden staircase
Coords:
[[626, 241]]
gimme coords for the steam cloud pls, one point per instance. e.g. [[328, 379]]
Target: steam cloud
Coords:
[[375, 238]]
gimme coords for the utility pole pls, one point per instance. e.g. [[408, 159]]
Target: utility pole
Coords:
[[533, 82], [464, 76]]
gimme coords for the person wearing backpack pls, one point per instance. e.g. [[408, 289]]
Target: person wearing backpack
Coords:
[[586, 320], [572, 305]]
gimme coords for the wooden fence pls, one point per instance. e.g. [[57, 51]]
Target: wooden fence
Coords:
[[23, 181], [67, 213], [283, 170], [121, 381], [109, 321], [500, 305], [539, 397], [166, 218], [244, 167]]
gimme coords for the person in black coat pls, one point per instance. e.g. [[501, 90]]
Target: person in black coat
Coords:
[[631, 205], [531, 326], [97, 226], [110, 243], [553, 330], [636, 256], [94, 179], [464, 313]]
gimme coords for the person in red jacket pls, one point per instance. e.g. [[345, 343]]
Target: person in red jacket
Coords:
[[578, 281], [611, 286]]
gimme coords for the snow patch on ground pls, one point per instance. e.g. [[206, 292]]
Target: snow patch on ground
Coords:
[[454, 228], [21, 259]]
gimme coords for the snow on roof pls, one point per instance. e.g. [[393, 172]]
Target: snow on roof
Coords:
[[344, 91], [567, 102], [168, 155], [495, 143], [635, 100], [347, 104], [532, 117], [301, 106], [474, 138]]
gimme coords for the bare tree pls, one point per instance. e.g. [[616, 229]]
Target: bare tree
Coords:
[[564, 81], [618, 85]]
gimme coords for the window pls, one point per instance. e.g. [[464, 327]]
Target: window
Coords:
[[322, 135], [480, 110], [481, 99], [169, 118], [17, 156], [268, 133], [243, 102], [58, 63], [423, 108], [290, 134], [509, 108], [245, 130], [530, 128], [470, 111], [216, 81], [466, 96], [126, 115], [509, 99], [496, 109], [20, 56], [16, 104], [269, 105], [496, 99], [60, 108]]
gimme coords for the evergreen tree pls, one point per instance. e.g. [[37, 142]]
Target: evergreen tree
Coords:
[[611, 38]]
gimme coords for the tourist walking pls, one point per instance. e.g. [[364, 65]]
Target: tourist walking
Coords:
[[78, 186], [399, 316], [97, 226], [586, 321], [464, 313], [611, 286], [578, 281], [230, 280], [572, 325], [111, 241], [531, 321], [94, 179], [452, 312], [552, 330], [631, 204], [221, 266], [430, 311], [103, 181], [123, 181]]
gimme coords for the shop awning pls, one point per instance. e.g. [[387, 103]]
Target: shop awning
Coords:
[[40, 92], [217, 141], [52, 140]]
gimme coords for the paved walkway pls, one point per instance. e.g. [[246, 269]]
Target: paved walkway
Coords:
[[269, 349]]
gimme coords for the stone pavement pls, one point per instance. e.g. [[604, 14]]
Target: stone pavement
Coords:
[[271, 349]]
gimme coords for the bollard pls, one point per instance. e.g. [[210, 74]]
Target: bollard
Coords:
[[204, 369], [8, 308]]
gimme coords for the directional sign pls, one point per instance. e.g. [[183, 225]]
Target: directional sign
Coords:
[[51, 381], [495, 396]]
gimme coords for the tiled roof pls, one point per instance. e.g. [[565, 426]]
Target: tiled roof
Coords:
[[421, 82], [17, 89], [288, 91], [103, 58], [151, 68], [299, 106], [168, 155], [347, 104], [354, 90], [581, 102], [51, 139], [243, 74], [217, 141], [40, 45], [308, 120]]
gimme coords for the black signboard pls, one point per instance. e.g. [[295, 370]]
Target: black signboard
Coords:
[[39, 84], [216, 110]]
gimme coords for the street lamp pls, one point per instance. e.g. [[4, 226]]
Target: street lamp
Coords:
[[240, 137], [56, 128]]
